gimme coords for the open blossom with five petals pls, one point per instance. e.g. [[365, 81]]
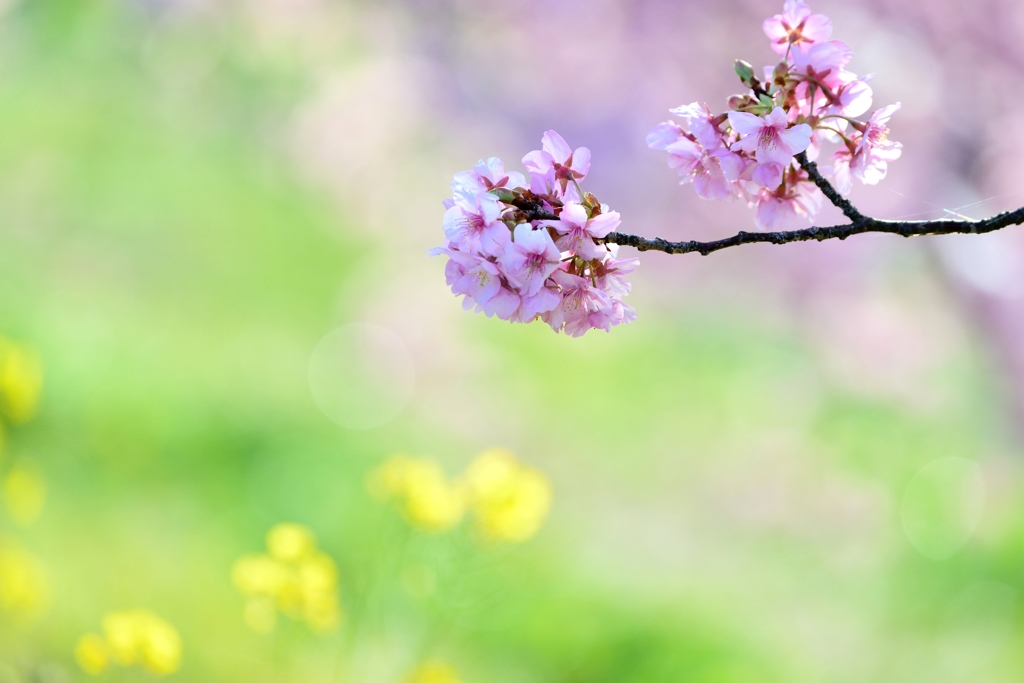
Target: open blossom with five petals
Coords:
[[790, 206], [472, 224], [702, 124], [867, 157], [610, 275], [578, 230], [823, 62], [693, 161], [615, 314], [796, 26], [556, 155], [535, 306], [531, 258], [580, 298], [772, 142], [484, 177]]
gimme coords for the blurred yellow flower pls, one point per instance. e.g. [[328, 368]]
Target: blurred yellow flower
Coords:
[[122, 634], [23, 585], [24, 492], [21, 380], [294, 578], [419, 486], [161, 645], [92, 654], [509, 500], [434, 672], [137, 636], [290, 542], [258, 575]]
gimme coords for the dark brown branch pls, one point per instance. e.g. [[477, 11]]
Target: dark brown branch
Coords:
[[903, 228], [532, 209], [841, 202]]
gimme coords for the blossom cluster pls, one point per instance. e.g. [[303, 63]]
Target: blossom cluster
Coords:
[[508, 500], [524, 250], [808, 98], [293, 577], [134, 637]]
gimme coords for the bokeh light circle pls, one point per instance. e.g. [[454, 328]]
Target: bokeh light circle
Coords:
[[942, 506], [361, 375]]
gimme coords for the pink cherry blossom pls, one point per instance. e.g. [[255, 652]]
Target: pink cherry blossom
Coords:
[[854, 97], [876, 133], [472, 224], [609, 275], [695, 164], [868, 158], [480, 280], [702, 124], [547, 186], [530, 259], [789, 207], [796, 26], [579, 299], [484, 177], [605, 318], [578, 230], [556, 155], [522, 275], [771, 141], [504, 304], [823, 62], [545, 300], [663, 135]]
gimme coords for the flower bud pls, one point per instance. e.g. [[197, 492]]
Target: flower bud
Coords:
[[504, 194], [745, 71], [741, 102], [779, 73]]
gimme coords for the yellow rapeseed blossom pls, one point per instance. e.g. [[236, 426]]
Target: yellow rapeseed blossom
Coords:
[[23, 586], [24, 492], [92, 654], [290, 542], [434, 672], [134, 637], [141, 636], [294, 578], [509, 500], [419, 486], [21, 380]]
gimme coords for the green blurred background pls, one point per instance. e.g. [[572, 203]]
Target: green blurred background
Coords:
[[797, 465]]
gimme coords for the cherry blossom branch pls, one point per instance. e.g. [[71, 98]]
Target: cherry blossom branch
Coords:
[[840, 202], [859, 224], [537, 249], [866, 224]]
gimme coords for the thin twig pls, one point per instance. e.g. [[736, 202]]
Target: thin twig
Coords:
[[859, 224], [903, 228], [841, 202]]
